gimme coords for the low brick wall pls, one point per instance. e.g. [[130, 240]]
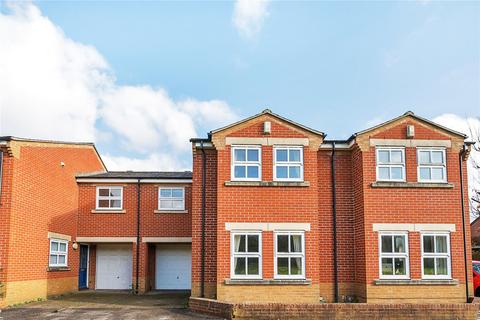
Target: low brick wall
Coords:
[[335, 310]]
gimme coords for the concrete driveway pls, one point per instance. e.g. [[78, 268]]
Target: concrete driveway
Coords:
[[107, 306]]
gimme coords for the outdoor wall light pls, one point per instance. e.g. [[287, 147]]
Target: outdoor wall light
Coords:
[[75, 245]]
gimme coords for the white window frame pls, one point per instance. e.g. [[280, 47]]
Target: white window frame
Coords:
[[246, 162], [58, 253], [171, 198], [393, 255], [234, 254], [287, 163], [390, 164], [437, 255], [289, 255], [98, 198], [443, 166]]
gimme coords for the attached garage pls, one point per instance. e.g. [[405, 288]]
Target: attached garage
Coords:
[[173, 267], [114, 266]]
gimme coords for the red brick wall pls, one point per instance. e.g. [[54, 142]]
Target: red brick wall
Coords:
[[5, 210]]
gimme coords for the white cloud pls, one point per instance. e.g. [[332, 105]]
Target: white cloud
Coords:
[[249, 15], [52, 87]]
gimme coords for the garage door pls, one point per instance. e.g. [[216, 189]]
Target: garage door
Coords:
[[173, 267], [114, 267]]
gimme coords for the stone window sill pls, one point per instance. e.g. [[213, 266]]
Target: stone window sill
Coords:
[[109, 211], [421, 282], [267, 183], [170, 211], [386, 184], [268, 282], [53, 269]]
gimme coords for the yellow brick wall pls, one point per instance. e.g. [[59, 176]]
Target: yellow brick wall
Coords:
[[210, 290], [269, 293], [416, 294]]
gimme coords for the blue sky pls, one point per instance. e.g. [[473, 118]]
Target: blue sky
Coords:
[[334, 66]]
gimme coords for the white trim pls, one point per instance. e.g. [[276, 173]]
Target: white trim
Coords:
[[289, 255], [246, 163], [266, 141], [109, 198], [410, 143], [107, 239], [167, 239], [442, 166], [447, 255], [267, 226], [393, 255], [390, 165], [59, 236], [171, 198], [100, 180], [435, 227], [245, 254], [414, 227], [58, 253], [189, 181], [287, 163]]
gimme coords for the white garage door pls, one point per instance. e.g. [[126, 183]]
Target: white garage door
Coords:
[[114, 267], [173, 267]]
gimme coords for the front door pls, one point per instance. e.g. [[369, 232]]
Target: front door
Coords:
[[82, 273]]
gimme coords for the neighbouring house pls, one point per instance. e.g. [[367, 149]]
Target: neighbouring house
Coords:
[[475, 229], [38, 214], [279, 214]]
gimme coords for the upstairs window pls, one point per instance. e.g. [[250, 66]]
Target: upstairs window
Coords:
[[246, 163], [431, 165], [436, 256], [288, 163], [109, 198], [58, 253], [390, 164], [289, 255], [394, 256], [246, 257], [171, 199]]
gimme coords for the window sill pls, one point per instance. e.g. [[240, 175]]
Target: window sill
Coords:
[[267, 183], [170, 211], [410, 282], [53, 269], [392, 184], [268, 281], [109, 211]]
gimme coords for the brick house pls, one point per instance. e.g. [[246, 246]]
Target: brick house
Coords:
[[38, 205], [279, 214]]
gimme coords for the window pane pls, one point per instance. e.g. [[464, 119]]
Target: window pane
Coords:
[[103, 203], [428, 266], [400, 268], [387, 266], [441, 244], [103, 192], [252, 172], [63, 247], [165, 193], [294, 172], [296, 243], [425, 174], [115, 203], [282, 172], [240, 171], [437, 157], [239, 267], [294, 155], [442, 266], [437, 173], [387, 244], [252, 265], [115, 192], [177, 193], [399, 243], [428, 244], [239, 242], [424, 157], [239, 155], [396, 156], [54, 246], [383, 173], [397, 173], [177, 204], [282, 266], [253, 243], [166, 204], [282, 243], [383, 156], [61, 259], [53, 259], [252, 154], [282, 155], [295, 266]]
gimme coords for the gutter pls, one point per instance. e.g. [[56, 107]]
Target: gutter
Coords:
[[204, 178], [334, 211], [464, 150], [137, 265]]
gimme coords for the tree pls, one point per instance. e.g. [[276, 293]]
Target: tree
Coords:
[[474, 167]]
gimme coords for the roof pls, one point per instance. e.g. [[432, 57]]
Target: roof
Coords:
[[139, 175], [12, 138], [268, 111]]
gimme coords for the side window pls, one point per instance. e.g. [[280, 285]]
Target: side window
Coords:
[[390, 164], [290, 255], [436, 262], [109, 198], [393, 256], [288, 163], [58, 253], [171, 198], [246, 255], [431, 165], [246, 163]]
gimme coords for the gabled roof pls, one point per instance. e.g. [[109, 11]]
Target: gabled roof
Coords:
[[269, 112], [413, 115], [139, 175]]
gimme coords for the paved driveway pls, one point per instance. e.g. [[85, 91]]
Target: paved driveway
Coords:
[[107, 306]]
